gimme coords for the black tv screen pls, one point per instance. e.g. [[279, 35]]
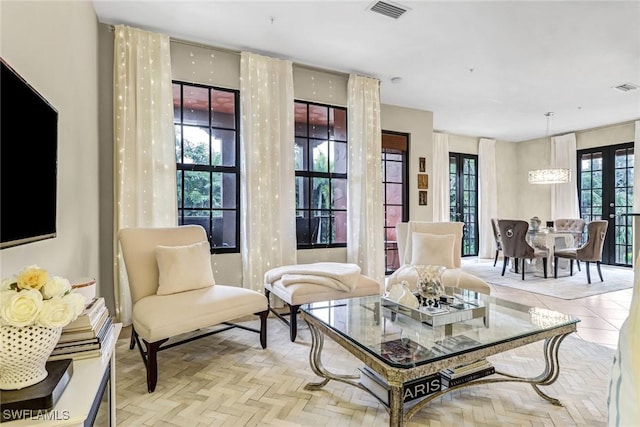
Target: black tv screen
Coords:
[[28, 162]]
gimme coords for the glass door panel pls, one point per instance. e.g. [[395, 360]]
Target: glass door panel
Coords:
[[463, 186], [606, 192]]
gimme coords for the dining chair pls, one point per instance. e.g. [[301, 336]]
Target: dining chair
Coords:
[[496, 236], [514, 245], [575, 226], [591, 251]]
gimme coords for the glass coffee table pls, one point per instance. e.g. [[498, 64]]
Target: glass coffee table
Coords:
[[402, 345]]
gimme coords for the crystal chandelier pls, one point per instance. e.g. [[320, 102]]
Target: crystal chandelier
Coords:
[[549, 176], [552, 175]]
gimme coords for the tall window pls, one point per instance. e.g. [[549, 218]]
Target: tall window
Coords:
[[394, 178], [463, 198], [206, 123], [321, 175]]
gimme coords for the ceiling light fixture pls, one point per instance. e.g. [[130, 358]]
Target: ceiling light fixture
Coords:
[[552, 175]]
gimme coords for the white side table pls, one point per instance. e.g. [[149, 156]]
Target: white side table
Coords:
[[93, 380]]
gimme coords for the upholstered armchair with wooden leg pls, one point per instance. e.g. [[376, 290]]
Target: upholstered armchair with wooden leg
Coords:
[[174, 293], [515, 245], [497, 237], [591, 251]]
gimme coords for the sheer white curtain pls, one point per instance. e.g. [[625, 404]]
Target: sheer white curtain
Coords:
[[365, 220], [144, 143], [440, 177], [487, 196], [267, 184], [624, 384], [564, 197]]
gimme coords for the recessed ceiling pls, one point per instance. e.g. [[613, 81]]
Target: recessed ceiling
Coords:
[[484, 68]]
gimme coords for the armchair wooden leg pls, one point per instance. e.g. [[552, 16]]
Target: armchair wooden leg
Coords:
[[555, 267], [495, 261], [588, 272], [578, 264], [544, 266], [599, 271], [132, 343], [263, 327], [152, 364], [293, 322], [517, 261], [504, 264], [523, 265]]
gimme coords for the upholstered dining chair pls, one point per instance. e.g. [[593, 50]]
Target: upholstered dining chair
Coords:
[[174, 293], [514, 245], [498, 239], [575, 226], [591, 251]]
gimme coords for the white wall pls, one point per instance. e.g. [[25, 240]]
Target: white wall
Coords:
[[53, 46]]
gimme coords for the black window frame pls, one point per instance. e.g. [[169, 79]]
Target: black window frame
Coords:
[[211, 169], [310, 174]]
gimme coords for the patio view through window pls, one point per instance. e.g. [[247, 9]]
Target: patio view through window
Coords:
[[206, 122], [321, 175]]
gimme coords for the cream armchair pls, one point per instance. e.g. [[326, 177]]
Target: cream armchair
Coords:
[[433, 243], [174, 293]]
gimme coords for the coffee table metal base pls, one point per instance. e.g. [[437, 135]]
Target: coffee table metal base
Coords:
[[396, 407]]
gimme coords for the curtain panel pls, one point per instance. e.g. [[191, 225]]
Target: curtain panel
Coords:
[[267, 174], [441, 205], [365, 220], [624, 385], [487, 196], [564, 197], [144, 143]]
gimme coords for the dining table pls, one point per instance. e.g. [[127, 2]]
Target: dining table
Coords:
[[549, 239]]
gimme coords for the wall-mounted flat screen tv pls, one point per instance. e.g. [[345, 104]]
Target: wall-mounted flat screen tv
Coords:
[[28, 162]]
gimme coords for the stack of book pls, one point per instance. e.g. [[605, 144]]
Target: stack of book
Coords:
[[465, 373], [87, 335], [411, 390]]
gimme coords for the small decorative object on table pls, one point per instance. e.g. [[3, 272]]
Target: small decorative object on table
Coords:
[[535, 223], [33, 309], [430, 284]]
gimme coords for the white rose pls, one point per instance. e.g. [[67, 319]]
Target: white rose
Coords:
[[55, 287], [55, 313], [76, 302], [21, 308]]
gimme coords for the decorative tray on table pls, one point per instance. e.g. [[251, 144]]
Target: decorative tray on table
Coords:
[[459, 310]]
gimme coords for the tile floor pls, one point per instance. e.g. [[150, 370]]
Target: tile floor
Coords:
[[601, 315]]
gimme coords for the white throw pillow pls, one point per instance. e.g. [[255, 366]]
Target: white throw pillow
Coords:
[[432, 249], [184, 268]]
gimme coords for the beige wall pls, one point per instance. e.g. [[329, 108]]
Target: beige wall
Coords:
[[419, 125], [53, 46], [535, 154]]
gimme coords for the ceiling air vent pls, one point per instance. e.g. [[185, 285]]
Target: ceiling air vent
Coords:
[[626, 87], [389, 9]]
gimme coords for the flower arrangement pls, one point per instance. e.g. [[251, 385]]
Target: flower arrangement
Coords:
[[430, 282], [34, 298]]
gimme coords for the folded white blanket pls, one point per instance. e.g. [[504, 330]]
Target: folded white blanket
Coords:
[[341, 276]]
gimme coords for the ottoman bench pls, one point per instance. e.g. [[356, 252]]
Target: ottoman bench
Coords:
[[300, 291]]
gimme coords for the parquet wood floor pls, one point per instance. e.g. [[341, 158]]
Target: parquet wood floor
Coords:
[[228, 380]]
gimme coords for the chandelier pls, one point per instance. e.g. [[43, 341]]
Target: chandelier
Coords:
[[552, 175]]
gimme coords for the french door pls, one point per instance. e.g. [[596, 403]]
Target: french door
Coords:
[[463, 198], [605, 182], [395, 147]]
